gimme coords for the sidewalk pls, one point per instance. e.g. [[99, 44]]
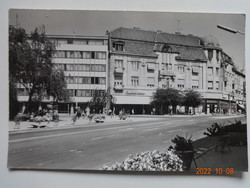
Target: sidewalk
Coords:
[[237, 159], [66, 122]]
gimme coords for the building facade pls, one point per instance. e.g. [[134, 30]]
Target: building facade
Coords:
[[84, 62], [142, 61], [131, 64]]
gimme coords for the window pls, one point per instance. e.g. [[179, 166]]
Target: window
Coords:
[[210, 85], [69, 67], [118, 82], [69, 79], [169, 66], [118, 77], [83, 93], [232, 86], [98, 80], [135, 65], [96, 42], [78, 41], [98, 68], [92, 55], [134, 80], [217, 85], [118, 45], [195, 84], [210, 55], [217, 71], [225, 83], [119, 63], [71, 92], [86, 55], [100, 55], [181, 69], [180, 83], [62, 41], [151, 67], [217, 54], [69, 41], [60, 54], [195, 71], [210, 70], [150, 81]]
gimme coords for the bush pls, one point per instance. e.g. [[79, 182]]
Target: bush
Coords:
[[183, 144], [149, 161]]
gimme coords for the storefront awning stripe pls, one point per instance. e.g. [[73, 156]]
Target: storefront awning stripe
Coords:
[[132, 100]]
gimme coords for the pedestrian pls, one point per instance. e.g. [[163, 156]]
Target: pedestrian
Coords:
[[78, 113], [133, 112]]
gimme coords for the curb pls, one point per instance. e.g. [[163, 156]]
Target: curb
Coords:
[[68, 126]]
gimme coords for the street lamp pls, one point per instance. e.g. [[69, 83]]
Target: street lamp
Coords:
[[229, 29]]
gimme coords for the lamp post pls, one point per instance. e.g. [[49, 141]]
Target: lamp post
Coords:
[[229, 29]]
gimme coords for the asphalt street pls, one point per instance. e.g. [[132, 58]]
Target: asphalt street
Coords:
[[89, 147]]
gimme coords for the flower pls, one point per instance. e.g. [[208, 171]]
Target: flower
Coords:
[[149, 161]]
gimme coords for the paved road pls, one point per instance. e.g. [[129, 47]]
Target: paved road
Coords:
[[91, 146]]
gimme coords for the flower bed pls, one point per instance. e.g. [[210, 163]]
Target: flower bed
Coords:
[[149, 161]]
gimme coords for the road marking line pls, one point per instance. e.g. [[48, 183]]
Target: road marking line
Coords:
[[112, 135], [150, 129], [175, 130], [128, 129], [97, 138], [166, 141]]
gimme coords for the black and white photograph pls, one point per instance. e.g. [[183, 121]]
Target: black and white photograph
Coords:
[[118, 91]]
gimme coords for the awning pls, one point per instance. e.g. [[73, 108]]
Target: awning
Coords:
[[132, 100], [151, 66], [195, 69]]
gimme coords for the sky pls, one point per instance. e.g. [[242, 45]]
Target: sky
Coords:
[[96, 23]]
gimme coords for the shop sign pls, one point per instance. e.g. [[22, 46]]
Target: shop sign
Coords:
[[134, 93]]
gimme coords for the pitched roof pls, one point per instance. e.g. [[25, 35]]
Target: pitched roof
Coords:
[[141, 42], [153, 36], [186, 40], [136, 48], [133, 34]]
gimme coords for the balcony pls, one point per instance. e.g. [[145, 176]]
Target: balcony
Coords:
[[119, 87], [167, 73], [119, 70]]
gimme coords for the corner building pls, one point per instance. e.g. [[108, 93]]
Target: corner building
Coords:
[[142, 61]]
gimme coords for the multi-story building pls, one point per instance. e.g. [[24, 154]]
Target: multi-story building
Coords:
[[84, 62], [142, 61], [132, 64]]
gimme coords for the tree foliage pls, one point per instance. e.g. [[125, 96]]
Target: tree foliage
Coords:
[[99, 100], [57, 87], [192, 98], [163, 98], [30, 64]]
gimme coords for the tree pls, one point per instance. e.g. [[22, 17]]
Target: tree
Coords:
[[165, 98], [99, 100], [192, 99], [57, 87], [30, 61]]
